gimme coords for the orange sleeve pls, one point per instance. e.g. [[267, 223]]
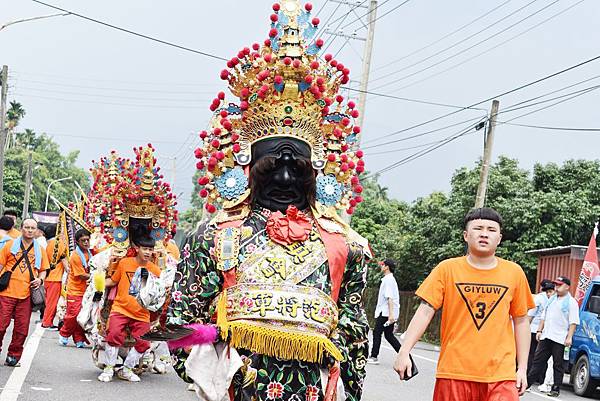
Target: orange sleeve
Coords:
[[45, 264], [522, 299], [154, 269], [433, 288], [76, 266], [116, 274], [50, 248], [4, 254]]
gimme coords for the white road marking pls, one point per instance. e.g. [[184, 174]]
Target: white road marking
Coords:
[[41, 388], [542, 395], [85, 380], [12, 389], [413, 354]]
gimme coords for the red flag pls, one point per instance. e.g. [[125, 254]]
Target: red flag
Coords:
[[589, 270]]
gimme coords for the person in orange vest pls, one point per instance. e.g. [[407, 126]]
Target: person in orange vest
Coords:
[[27, 263], [79, 273], [127, 312], [13, 232], [57, 256], [6, 224]]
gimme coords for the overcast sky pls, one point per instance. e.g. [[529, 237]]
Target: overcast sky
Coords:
[[95, 89]]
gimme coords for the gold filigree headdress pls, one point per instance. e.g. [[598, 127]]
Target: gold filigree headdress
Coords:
[[284, 90]]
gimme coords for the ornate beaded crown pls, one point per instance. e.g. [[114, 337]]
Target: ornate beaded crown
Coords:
[[284, 89], [125, 189]]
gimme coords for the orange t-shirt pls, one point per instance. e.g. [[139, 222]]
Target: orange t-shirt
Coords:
[[76, 284], [56, 273], [20, 280], [14, 233], [124, 303], [478, 342]]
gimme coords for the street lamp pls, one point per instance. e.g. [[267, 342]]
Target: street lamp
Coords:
[[48, 190], [32, 19]]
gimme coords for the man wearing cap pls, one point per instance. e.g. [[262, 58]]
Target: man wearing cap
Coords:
[[555, 332], [536, 314]]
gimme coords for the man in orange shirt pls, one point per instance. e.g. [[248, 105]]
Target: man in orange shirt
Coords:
[[128, 313], [13, 233], [485, 329], [6, 224], [56, 251], [27, 262], [79, 273]]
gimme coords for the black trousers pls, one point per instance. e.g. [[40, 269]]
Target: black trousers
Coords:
[[532, 348], [388, 331], [545, 349]]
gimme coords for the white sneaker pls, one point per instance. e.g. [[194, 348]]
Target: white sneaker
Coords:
[[160, 367], [107, 374], [191, 387], [126, 373], [544, 388], [373, 361]]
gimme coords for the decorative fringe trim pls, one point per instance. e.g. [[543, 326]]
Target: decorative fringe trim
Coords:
[[272, 342], [222, 322]]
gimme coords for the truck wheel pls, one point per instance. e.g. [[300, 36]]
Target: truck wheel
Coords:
[[583, 383]]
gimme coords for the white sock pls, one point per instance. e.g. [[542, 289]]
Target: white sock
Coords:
[[133, 357], [111, 354]]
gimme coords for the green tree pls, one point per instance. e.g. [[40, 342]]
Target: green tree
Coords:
[[14, 114]]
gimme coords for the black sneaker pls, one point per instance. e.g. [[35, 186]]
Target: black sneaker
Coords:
[[553, 393], [11, 361]]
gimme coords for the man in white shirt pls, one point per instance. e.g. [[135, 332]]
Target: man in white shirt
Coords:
[[536, 314], [555, 332], [386, 311]]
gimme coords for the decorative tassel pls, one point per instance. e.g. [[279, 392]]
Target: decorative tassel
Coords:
[[203, 334], [307, 347], [222, 322]]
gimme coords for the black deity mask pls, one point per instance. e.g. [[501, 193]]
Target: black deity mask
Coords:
[[281, 174]]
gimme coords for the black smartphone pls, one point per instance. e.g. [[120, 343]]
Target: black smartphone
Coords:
[[413, 371]]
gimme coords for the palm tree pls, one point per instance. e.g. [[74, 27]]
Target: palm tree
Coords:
[[14, 114]]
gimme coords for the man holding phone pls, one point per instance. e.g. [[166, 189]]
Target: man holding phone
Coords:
[[485, 329]]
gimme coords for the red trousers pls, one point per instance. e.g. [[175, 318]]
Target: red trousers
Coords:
[[117, 324], [52, 294], [70, 326], [455, 390], [20, 311]]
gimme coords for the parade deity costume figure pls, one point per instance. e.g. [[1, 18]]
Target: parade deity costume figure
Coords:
[[127, 193], [276, 269]]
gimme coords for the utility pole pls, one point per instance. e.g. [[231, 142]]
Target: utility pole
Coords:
[[27, 186], [366, 66], [487, 155], [4, 79], [174, 175]]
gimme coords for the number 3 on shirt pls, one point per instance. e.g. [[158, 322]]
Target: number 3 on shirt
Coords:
[[481, 313]]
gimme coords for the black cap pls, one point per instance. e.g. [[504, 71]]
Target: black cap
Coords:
[[546, 285], [560, 280]]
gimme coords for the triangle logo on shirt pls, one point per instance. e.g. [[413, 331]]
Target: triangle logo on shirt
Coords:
[[481, 300], [130, 276]]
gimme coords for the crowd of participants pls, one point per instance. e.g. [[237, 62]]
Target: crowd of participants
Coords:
[[26, 252]]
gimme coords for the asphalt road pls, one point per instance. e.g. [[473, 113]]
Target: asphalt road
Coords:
[[67, 374]]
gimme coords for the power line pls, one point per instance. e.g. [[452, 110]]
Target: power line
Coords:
[[455, 43], [52, 83], [408, 99], [365, 15], [452, 56], [99, 95], [352, 9], [443, 37], [383, 152], [521, 87], [521, 106], [108, 103], [164, 42], [421, 134], [123, 138], [391, 10], [554, 128], [488, 50]]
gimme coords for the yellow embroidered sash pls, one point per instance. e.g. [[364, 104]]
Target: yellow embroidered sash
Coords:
[[286, 321]]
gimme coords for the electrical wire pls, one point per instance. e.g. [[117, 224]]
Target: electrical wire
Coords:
[[123, 138], [164, 42], [157, 106], [365, 15], [553, 128], [518, 88], [391, 10], [521, 106], [452, 56], [99, 95], [490, 49], [383, 152], [442, 38]]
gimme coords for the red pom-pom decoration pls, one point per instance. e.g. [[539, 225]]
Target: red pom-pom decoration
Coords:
[[345, 121], [224, 74], [359, 153], [314, 65], [358, 189], [268, 57], [221, 95], [267, 42], [319, 42], [223, 113], [351, 104], [200, 165], [308, 79], [356, 129], [210, 208], [215, 142], [235, 137], [244, 105], [255, 46], [203, 134], [274, 17], [198, 153], [354, 180], [203, 180], [308, 6], [296, 63], [236, 147], [244, 93], [345, 79], [203, 193], [276, 7], [287, 61], [359, 199], [354, 113], [328, 57], [339, 98], [333, 63], [220, 155], [331, 157], [350, 210], [273, 33], [360, 169], [278, 79], [315, 21]]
